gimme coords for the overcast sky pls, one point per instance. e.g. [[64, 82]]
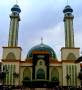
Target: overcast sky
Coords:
[[40, 18]]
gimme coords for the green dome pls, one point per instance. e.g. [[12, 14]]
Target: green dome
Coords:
[[42, 47]]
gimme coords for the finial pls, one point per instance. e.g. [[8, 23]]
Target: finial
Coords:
[[41, 40], [16, 1], [67, 2]]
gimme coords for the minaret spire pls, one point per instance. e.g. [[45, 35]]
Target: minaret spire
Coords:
[[14, 26], [67, 2], [68, 23], [41, 40], [16, 1]]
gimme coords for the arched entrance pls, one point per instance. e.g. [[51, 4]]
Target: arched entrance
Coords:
[[26, 74], [40, 74], [55, 76]]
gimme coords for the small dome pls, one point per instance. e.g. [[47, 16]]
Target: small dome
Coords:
[[16, 8], [42, 47], [68, 9], [79, 60]]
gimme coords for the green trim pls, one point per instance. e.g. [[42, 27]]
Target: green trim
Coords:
[[17, 28], [65, 34], [9, 80], [8, 74], [73, 75], [72, 71], [70, 74], [13, 75], [69, 39], [12, 31]]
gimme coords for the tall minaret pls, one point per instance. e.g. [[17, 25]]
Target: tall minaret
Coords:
[[68, 22], [14, 26]]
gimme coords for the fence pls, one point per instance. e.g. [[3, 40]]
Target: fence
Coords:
[[2, 87]]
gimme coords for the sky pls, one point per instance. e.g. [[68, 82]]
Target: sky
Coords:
[[40, 18]]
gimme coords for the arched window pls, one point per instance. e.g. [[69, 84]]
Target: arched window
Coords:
[[11, 56], [71, 56], [27, 74], [54, 74], [40, 74]]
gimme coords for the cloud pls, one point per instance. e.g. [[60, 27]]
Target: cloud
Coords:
[[40, 16], [50, 37]]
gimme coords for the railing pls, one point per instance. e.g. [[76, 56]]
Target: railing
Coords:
[[9, 87]]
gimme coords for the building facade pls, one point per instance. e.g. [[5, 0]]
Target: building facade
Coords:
[[41, 66]]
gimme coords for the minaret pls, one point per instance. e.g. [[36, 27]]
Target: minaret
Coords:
[[14, 26], [68, 23]]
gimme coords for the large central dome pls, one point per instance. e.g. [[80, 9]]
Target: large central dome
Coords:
[[42, 47]]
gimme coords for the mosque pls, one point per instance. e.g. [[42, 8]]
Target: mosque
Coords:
[[41, 66]]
